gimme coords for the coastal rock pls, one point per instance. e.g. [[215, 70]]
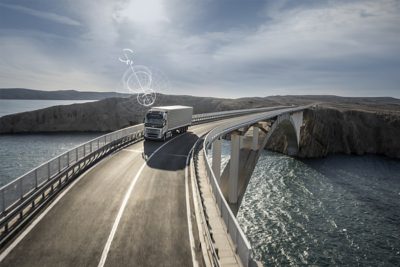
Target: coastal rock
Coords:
[[331, 131], [111, 114]]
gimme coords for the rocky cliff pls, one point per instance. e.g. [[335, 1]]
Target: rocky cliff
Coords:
[[328, 130]]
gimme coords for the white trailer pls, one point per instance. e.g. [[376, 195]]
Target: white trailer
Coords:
[[161, 122]]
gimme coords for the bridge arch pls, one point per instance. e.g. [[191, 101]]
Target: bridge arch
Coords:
[[285, 133]]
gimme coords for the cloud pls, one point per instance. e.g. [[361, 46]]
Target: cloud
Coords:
[[344, 47], [43, 15]]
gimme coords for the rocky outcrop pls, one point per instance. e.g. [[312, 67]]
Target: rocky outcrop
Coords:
[[115, 113], [331, 130], [111, 114]]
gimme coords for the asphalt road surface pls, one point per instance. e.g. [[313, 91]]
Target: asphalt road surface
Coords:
[[125, 211]]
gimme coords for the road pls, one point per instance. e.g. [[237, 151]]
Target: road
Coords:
[[125, 211]]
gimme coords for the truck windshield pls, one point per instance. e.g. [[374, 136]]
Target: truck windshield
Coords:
[[155, 119]]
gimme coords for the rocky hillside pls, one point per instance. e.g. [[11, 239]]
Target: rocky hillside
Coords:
[[23, 93], [111, 114], [341, 124], [328, 130]]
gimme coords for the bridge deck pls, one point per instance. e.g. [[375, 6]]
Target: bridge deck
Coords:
[[223, 242], [88, 224]]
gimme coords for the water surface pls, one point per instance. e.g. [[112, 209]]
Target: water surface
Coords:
[[20, 153], [337, 211]]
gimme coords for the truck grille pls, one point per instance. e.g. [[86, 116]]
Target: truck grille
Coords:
[[152, 133]]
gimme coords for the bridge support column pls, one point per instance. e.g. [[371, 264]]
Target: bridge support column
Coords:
[[216, 159], [255, 138], [297, 120], [234, 168]]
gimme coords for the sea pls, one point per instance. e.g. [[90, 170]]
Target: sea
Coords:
[[341, 210], [19, 153]]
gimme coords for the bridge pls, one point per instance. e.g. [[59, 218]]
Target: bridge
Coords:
[[118, 200]]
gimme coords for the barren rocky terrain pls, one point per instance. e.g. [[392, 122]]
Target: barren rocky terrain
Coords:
[[332, 130], [333, 125]]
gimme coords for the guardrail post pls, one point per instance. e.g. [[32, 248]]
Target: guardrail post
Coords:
[[84, 150], [98, 143], [76, 154], [67, 158], [91, 148]]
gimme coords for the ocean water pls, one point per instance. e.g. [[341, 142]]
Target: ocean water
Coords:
[[22, 152], [10, 106], [337, 211]]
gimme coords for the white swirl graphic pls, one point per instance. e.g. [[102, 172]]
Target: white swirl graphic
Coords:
[[141, 80]]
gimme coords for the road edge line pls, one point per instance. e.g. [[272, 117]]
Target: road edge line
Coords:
[[21, 236], [121, 210]]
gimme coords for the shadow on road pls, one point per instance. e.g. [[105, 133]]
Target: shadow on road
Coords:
[[172, 156]]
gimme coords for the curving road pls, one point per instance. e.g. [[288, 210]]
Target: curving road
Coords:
[[125, 211]]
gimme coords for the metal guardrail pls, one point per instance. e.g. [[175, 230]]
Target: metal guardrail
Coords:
[[243, 246], [23, 186], [205, 117], [244, 249], [205, 230], [19, 188], [20, 198]]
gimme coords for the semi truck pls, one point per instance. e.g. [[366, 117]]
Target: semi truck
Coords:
[[161, 122]]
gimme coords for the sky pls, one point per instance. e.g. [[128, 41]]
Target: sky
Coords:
[[219, 48]]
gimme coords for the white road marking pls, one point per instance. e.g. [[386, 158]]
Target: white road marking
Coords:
[[123, 205], [125, 201], [44, 213], [41, 216]]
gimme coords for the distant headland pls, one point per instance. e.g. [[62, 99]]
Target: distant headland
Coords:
[[353, 125], [31, 94]]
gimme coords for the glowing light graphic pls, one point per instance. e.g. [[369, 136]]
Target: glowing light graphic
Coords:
[[141, 80]]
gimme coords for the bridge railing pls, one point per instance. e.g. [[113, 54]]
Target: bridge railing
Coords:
[[18, 190], [13, 192], [201, 118], [243, 246]]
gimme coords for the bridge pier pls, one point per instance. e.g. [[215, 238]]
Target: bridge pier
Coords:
[[246, 148], [216, 159], [254, 145], [234, 168]]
